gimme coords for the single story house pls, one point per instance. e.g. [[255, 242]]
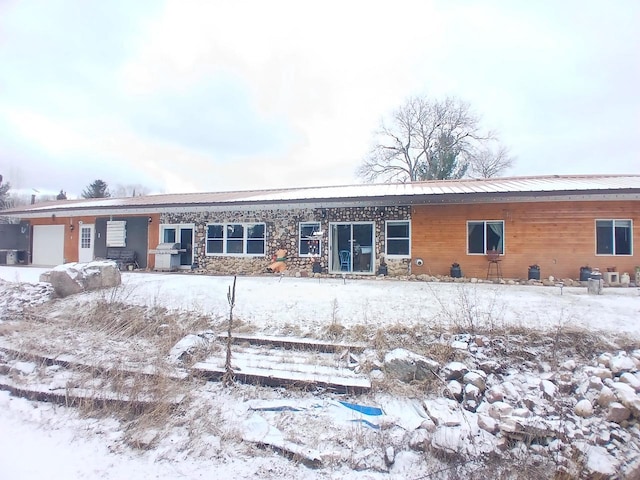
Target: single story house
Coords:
[[559, 223]]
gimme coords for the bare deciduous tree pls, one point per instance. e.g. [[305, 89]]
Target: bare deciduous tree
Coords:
[[488, 163], [425, 139], [5, 199], [129, 190]]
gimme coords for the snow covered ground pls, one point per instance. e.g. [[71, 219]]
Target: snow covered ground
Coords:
[[40, 440]]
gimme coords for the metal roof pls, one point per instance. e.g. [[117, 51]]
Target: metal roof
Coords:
[[540, 188]]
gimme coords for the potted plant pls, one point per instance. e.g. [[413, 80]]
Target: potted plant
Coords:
[[455, 271], [382, 269]]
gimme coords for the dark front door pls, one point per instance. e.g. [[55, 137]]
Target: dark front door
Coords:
[[186, 243]]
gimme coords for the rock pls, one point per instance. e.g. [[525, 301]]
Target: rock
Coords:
[[407, 366], [443, 411], [549, 390], [627, 396], [476, 378], [499, 410], [494, 394], [454, 371], [583, 408], [428, 425], [569, 365], [45, 277], [521, 412], [631, 380], [595, 383], [488, 424], [599, 463], [603, 437], [606, 397], [459, 345], [622, 363], [454, 390], [599, 372], [73, 278], [490, 366], [420, 439], [617, 412], [188, 345], [389, 456], [369, 459]]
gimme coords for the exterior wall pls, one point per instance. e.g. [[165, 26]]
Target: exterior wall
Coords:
[[282, 231], [137, 237], [71, 234], [14, 236], [557, 236]]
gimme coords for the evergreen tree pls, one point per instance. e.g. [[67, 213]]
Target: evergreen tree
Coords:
[[98, 189]]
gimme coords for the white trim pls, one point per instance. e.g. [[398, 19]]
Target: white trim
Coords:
[[373, 247], [504, 240], [613, 244], [386, 239], [318, 238], [244, 239]]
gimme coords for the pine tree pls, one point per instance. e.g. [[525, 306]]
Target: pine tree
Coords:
[[98, 189]]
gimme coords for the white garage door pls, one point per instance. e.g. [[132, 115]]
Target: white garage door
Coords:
[[48, 245]]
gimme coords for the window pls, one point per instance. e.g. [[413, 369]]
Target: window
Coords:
[[236, 239], [116, 233], [85, 237], [483, 236], [613, 237], [398, 236], [308, 244]]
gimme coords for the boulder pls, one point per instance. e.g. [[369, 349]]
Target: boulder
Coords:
[[606, 397], [622, 363], [454, 371], [631, 380], [583, 408], [627, 396], [407, 366], [617, 413], [72, 278], [476, 378]]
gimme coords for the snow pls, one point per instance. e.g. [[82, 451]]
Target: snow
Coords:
[[65, 445]]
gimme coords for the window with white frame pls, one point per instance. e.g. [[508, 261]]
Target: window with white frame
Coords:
[[309, 245], [236, 239], [614, 237], [484, 236], [398, 238]]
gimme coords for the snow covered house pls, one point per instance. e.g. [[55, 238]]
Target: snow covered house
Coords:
[[557, 223]]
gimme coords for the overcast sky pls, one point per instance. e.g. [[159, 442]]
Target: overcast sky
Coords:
[[185, 96]]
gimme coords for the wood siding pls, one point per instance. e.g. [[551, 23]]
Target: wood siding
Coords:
[[558, 236]]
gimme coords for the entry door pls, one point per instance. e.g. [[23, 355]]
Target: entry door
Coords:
[[186, 243], [86, 240], [351, 247], [182, 234]]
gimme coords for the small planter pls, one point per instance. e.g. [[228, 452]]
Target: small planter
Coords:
[[534, 272], [455, 271], [316, 267]]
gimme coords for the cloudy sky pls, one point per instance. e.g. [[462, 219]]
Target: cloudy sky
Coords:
[[181, 95]]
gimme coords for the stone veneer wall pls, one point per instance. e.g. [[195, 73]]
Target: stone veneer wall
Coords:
[[282, 230]]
